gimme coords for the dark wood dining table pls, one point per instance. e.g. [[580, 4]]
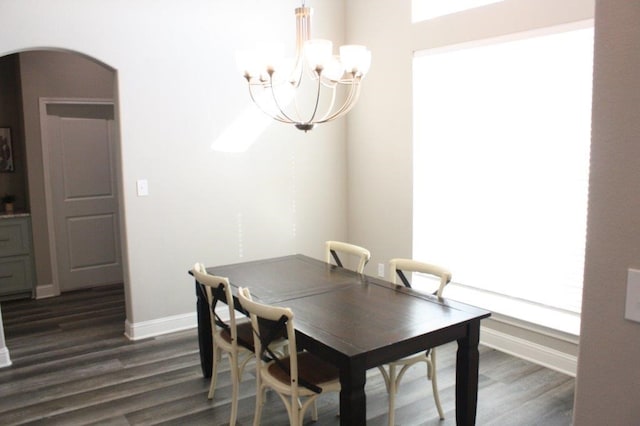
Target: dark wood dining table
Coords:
[[357, 322]]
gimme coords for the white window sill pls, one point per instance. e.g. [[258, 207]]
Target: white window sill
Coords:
[[505, 306]]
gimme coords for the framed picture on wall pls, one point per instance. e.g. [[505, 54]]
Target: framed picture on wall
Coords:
[[6, 150]]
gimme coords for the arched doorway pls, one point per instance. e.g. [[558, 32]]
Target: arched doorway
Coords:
[[53, 74]]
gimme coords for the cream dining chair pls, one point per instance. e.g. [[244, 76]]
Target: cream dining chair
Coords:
[[299, 378], [232, 337], [332, 248], [394, 371]]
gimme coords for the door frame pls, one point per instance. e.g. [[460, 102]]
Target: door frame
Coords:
[[53, 289]]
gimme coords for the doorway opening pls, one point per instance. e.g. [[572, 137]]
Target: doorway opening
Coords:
[[62, 109]]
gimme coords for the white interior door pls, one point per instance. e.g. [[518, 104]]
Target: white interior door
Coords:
[[83, 190]]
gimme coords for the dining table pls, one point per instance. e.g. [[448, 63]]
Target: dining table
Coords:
[[356, 322]]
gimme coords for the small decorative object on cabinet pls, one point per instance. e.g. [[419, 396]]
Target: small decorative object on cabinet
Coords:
[[16, 259], [7, 202]]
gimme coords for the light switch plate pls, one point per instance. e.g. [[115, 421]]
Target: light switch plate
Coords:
[[142, 187], [632, 308]]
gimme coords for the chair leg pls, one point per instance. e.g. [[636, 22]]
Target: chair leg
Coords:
[[392, 389], [214, 370], [295, 419], [259, 402], [385, 376], [434, 383], [310, 402], [235, 383]]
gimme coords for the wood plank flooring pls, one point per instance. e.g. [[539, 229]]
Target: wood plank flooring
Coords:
[[72, 365]]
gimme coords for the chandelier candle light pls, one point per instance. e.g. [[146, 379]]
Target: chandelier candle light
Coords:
[[277, 85]]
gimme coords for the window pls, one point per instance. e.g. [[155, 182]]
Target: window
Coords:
[[422, 10], [501, 162]]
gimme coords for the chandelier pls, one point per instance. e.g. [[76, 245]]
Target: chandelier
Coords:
[[314, 87]]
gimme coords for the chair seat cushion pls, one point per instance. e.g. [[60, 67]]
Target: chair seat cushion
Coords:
[[310, 368], [245, 334]]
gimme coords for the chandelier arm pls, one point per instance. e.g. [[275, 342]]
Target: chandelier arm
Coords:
[[315, 109], [295, 82], [331, 105], [349, 103], [298, 71], [275, 101], [261, 108], [296, 104], [348, 107], [350, 81]]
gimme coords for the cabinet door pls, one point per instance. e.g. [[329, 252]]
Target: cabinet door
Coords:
[[14, 237], [15, 275]]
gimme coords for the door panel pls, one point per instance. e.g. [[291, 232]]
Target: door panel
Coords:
[[98, 251], [86, 159], [84, 195]]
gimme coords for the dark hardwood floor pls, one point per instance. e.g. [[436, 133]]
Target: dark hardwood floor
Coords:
[[72, 365]]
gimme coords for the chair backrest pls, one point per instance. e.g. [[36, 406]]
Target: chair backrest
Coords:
[[215, 288], [398, 267], [267, 322], [333, 247]]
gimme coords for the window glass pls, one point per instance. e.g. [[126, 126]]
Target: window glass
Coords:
[[501, 163], [421, 10]]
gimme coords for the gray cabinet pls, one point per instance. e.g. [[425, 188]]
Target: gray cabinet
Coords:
[[16, 260]]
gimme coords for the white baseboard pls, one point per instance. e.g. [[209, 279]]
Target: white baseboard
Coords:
[[146, 329], [539, 354], [44, 291], [525, 349], [5, 360]]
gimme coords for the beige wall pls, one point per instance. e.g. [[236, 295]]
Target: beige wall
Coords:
[[608, 383], [379, 132], [178, 90], [52, 74]]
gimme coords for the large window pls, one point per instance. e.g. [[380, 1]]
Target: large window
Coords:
[[501, 162], [422, 10]]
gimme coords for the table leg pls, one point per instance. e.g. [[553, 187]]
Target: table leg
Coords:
[[353, 401], [467, 376], [204, 331]]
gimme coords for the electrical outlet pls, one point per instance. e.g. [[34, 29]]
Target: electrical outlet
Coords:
[[632, 308], [381, 270]]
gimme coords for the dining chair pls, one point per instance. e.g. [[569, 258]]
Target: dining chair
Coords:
[[298, 378], [232, 337], [332, 248], [390, 372]]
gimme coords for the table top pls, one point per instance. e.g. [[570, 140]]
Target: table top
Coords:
[[282, 278], [348, 315]]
